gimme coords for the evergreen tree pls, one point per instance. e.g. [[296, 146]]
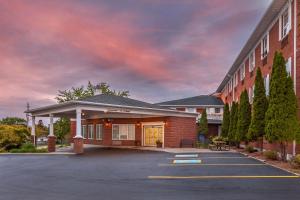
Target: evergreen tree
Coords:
[[226, 121], [260, 105], [233, 122], [203, 126], [244, 118], [281, 116]]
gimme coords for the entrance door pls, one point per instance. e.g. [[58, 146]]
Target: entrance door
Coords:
[[152, 133]]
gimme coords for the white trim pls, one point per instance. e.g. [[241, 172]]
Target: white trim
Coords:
[[101, 131], [88, 133], [128, 124], [78, 123], [153, 124], [199, 106], [295, 45], [51, 127]]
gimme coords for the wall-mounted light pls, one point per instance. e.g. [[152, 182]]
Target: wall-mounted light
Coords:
[[138, 124]]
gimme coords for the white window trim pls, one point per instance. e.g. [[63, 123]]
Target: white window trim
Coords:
[[288, 64], [252, 65], [119, 132], [261, 45], [88, 131], [84, 131], [288, 7], [101, 131], [242, 72]]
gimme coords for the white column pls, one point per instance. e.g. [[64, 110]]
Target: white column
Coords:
[[33, 126], [51, 128], [78, 123]]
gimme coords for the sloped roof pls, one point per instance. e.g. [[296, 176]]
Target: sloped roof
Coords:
[[118, 100], [202, 100], [269, 16]]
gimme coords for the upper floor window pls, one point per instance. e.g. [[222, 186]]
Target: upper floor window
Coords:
[[265, 46], [251, 94], [288, 66], [242, 72], [251, 61], [217, 110], [285, 23], [235, 79], [267, 84]]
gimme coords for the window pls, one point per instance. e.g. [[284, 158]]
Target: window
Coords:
[[191, 110], [217, 110], [99, 131], [123, 132], [288, 66], [265, 46], [91, 131], [284, 23], [251, 94], [235, 79], [251, 61], [242, 72], [83, 131], [267, 84]]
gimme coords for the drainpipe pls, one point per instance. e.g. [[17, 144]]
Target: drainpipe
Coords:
[[295, 59]]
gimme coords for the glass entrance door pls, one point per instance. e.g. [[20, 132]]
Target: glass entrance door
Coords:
[[152, 133]]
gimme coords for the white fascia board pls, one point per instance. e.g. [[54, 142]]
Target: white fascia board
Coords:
[[193, 106]]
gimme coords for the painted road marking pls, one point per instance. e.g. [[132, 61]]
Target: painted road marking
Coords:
[[186, 161], [240, 157], [207, 164], [220, 177], [186, 156]]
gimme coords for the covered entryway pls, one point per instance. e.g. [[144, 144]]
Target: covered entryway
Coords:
[[153, 132], [117, 121]]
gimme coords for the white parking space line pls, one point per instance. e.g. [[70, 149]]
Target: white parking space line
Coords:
[[206, 164], [187, 161], [186, 156]]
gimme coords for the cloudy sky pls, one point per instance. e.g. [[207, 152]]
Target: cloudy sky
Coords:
[[157, 49]]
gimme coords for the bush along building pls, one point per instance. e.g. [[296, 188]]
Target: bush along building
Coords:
[[277, 31], [213, 105]]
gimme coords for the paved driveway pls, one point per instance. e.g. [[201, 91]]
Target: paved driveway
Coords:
[[132, 174]]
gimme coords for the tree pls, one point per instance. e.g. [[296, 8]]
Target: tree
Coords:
[[13, 121], [226, 121], [41, 129], [62, 128], [77, 93], [203, 126], [281, 117], [244, 117], [260, 105], [13, 136], [233, 122]]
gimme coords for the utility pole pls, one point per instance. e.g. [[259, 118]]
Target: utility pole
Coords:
[[27, 114]]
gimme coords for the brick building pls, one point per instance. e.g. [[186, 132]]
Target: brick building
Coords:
[[118, 121], [278, 30], [212, 104]]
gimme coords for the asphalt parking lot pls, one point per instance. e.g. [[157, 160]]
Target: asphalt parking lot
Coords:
[[134, 174]]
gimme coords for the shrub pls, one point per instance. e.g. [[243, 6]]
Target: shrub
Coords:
[[295, 162], [272, 155], [13, 136], [28, 148], [250, 149], [219, 138]]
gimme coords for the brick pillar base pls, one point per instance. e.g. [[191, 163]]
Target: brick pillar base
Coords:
[[51, 143], [78, 145]]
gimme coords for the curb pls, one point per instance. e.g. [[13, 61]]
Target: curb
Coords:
[[264, 161], [38, 154]]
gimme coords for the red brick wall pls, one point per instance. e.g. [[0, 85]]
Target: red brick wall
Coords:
[[176, 128], [274, 45]]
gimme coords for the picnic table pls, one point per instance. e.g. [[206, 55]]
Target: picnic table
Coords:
[[220, 145]]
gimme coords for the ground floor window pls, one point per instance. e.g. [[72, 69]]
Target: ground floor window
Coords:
[[99, 132], [123, 132], [91, 131], [83, 131]]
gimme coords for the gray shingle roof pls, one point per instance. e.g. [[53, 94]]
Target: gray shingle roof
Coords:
[[118, 100], [194, 101]]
